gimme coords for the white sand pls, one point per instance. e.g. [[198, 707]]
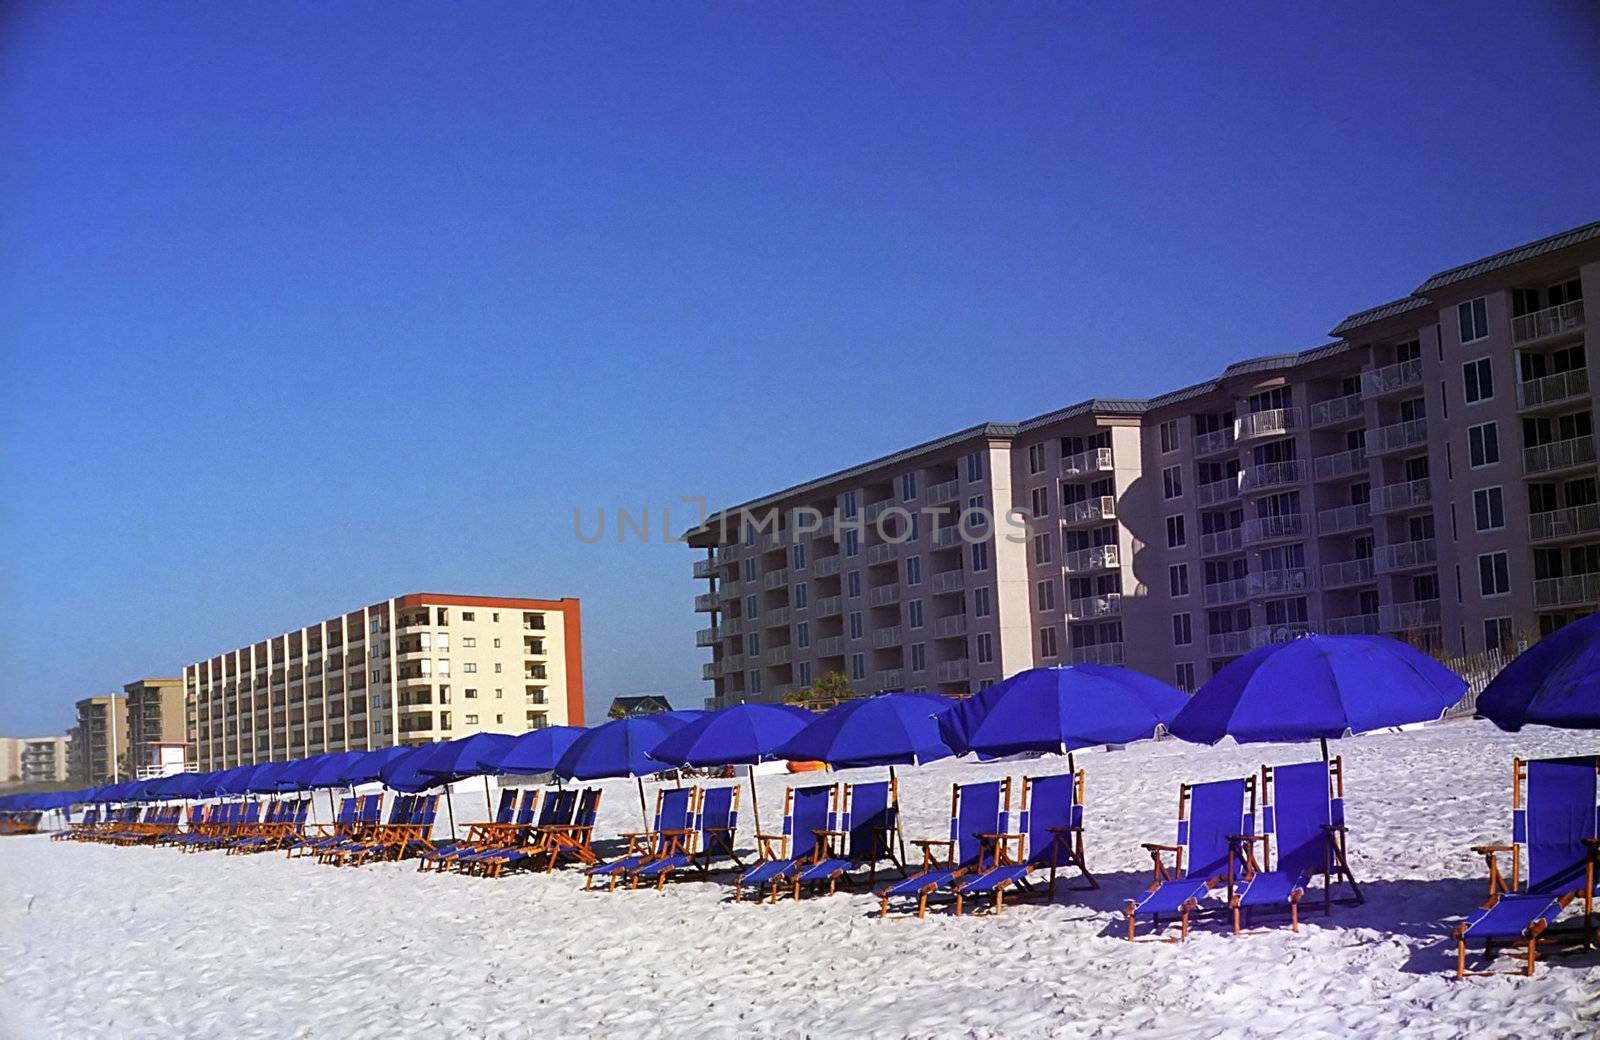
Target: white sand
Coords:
[[108, 942]]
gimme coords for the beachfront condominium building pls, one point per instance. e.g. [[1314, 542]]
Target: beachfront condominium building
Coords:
[[33, 760], [97, 747], [156, 717], [1430, 475], [408, 670]]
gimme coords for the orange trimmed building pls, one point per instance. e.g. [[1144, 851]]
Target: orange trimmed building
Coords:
[[409, 670]]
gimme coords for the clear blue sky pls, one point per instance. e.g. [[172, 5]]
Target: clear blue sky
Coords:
[[304, 306]]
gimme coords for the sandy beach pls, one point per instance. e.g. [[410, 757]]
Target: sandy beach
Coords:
[[138, 942]]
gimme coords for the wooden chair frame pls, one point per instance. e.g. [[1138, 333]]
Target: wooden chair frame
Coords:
[[1161, 873]]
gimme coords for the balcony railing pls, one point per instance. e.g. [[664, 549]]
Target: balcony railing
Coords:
[[705, 601], [1397, 437], [1404, 617], [883, 552], [1392, 498], [1258, 530], [1089, 512], [826, 606], [886, 637], [1338, 410], [775, 579], [883, 595], [1554, 389], [1217, 542], [1222, 593], [1344, 518], [1096, 653], [1224, 490], [954, 671], [1274, 583], [1348, 572], [1098, 558], [830, 646], [1340, 464], [1215, 442], [1087, 463], [1406, 556], [778, 655], [1352, 625], [1564, 523], [1578, 590], [1376, 382], [1271, 475], [949, 581], [948, 491], [777, 617], [891, 679], [1273, 422], [708, 670], [1552, 321], [1558, 455], [825, 566], [706, 636], [705, 568], [947, 536], [1228, 644], [1089, 607], [876, 509], [950, 627]]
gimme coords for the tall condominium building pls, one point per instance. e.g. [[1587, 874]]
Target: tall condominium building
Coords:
[[97, 748], [42, 760], [156, 716], [1430, 475], [409, 670]]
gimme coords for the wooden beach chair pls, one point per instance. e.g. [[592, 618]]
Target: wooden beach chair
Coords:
[[809, 813], [1212, 820], [863, 834], [1049, 839], [714, 822], [667, 836], [979, 816], [1302, 813]]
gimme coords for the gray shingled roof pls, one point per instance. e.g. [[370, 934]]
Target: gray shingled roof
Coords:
[[1404, 305], [1510, 256], [1093, 406]]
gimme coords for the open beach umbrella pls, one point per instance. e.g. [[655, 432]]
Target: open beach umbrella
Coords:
[[367, 766], [1060, 710], [221, 782], [328, 770], [887, 730], [455, 759], [536, 751], [1555, 682], [1317, 687], [403, 772], [619, 748], [264, 780], [745, 734]]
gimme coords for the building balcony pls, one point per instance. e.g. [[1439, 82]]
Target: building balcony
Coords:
[[1273, 422], [1264, 529], [1340, 465], [1213, 443], [1089, 513], [877, 509], [1087, 463], [1228, 644], [1561, 388], [1347, 573], [1397, 437], [1342, 519], [1352, 625], [947, 537], [775, 579], [1218, 491], [709, 670], [1098, 558], [1222, 593], [830, 646], [891, 679], [1398, 498], [772, 540], [776, 656], [952, 627], [825, 566], [1338, 411], [1088, 608], [1096, 653], [1558, 524], [948, 491], [1560, 320], [1407, 617], [777, 617], [1279, 582], [826, 606], [1218, 543], [883, 552], [1406, 556], [1272, 475], [1574, 453], [1577, 590], [704, 602], [883, 638], [946, 582], [1380, 382], [705, 568], [954, 671], [883, 595]]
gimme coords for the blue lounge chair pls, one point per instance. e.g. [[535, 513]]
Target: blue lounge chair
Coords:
[[979, 819], [809, 813], [1559, 824], [574, 841], [1212, 820], [714, 821], [1050, 825], [365, 833], [502, 846], [566, 831], [863, 836], [484, 835], [667, 836], [1302, 813], [352, 813]]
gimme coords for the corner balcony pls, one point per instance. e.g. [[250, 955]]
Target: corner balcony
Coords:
[[1089, 513], [1399, 498], [1222, 593], [1560, 320], [1406, 617], [1272, 475], [1344, 574], [1218, 491], [1340, 410], [1561, 388], [1406, 556], [1087, 561], [952, 627], [1578, 590], [704, 602], [1096, 653], [1273, 422], [707, 636], [1087, 463], [1214, 443], [705, 568], [1352, 625], [1340, 465], [1343, 519], [1558, 524], [1397, 437], [1380, 382], [709, 670], [1219, 543], [1557, 456], [1088, 608], [1278, 583]]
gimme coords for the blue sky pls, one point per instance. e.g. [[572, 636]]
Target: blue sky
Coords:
[[305, 306]]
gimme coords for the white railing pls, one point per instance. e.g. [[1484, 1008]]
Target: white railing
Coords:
[[1273, 422], [705, 601], [705, 568], [1551, 389], [777, 655], [1340, 464], [830, 646], [949, 627], [1559, 455], [1091, 511], [1337, 410], [1271, 583], [1375, 382], [1271, 474], [1224, 592], [1552, 321], [1223, 490], [1265, 635], [1100, 557], [1213, 442], [886, 637], [1344, 518], [948, 491], [1095, 460], [949, 581], [1391, 497], [1573, 591], [947, 536], [1228, 644], [876, 509], [1348, 572], [708, 670], [883, 595], [827, 606], [825, 566], [1404, 556], [1564, 523], [1088, 607], [1270, 528], [1352, 625], [891, 679], [1096, 653], [1231, 540], [1397, 436], [883, 552], [775, 579], [1402, 617], [777, 616], [954, 671], [706, 636]]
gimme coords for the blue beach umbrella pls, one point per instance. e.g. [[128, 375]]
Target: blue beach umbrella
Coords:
[[1318, 687], [744, 734], [536, 751], [403, 772], [1060, 710], [1556, 682], [886, 730], [455, 759], [328, 770], [618, 748], [367, 766]]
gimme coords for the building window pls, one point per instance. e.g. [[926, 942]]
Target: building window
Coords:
[[858, 666], [1182, 630], [495, 617], [798, 557], [1046, 591], [468, 642], [1488, 509], [472, 720], [855, 625], [468, 615], [852, 583], [1178, 579], [1039, 499], [914, 570], [908, 486], [848, 508], [980, 601], [802, 634], [1047, 641], [852, 542], [974, 467], [753, 680], [1041, 548], [985, 645], [1169, 436], [1474, 319], [802, 596], [1036, 458], [1497, 634], [750, 569], [497, 668], [752, 643], [470, 693], [919, 657], [1172, 482], [980, 556], [499, 694], [1483, 444], [802, 673], [1478, 377], [752, 606], [469, 668], [1494, 574], [1184, 675], [500, 720], [1176, 538]]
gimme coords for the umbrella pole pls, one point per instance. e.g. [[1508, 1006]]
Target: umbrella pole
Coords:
[[1071, 765], [1324, 742], [899, 827], [488, 806], [449, 806], [755, 802], [644, 815]]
